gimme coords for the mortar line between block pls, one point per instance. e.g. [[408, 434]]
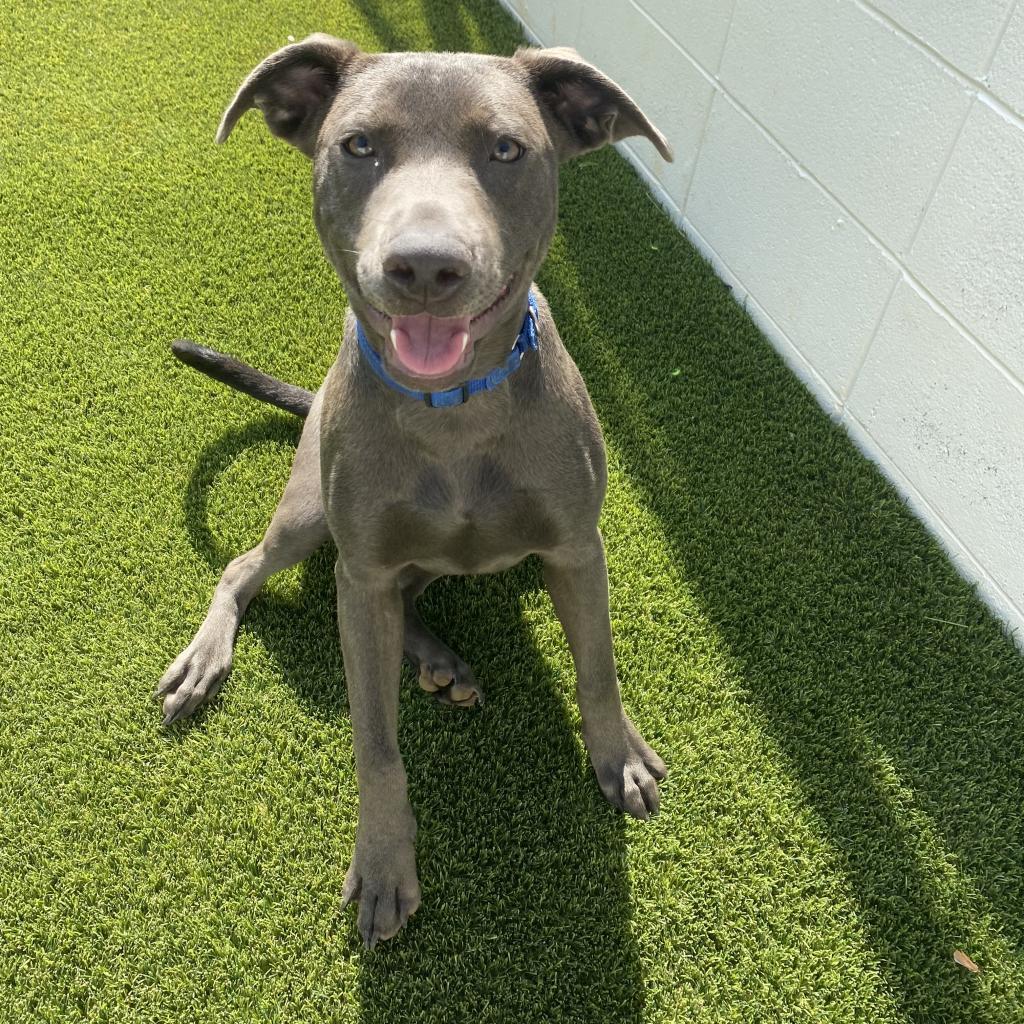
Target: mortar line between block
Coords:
[[999, 39], [926, 206], [862, 356]]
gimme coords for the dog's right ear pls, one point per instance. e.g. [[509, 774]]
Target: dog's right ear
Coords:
[[294, 89]]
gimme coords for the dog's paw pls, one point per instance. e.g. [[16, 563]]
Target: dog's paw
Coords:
[[451, 681], [628, 771], [382, 879], [194, 677], [440, 670]]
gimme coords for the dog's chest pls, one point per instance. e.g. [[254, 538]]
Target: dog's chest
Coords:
[[474, 516]]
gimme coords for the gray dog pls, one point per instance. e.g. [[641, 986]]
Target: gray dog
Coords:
[[453, 433]]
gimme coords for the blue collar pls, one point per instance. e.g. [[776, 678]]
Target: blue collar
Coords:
[[525, 341]]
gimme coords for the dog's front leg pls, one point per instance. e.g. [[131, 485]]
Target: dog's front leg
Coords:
[[627, 769], [382, 876]]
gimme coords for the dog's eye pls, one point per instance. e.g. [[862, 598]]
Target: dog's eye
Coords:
[[507, 150], [358, 145]]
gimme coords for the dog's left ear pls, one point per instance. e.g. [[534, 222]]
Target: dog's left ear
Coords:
[[294, 89], [588, 109]]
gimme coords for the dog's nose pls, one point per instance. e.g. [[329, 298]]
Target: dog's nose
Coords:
[[427, 269]]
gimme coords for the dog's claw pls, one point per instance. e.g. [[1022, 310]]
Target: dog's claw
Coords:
[[350, 892]]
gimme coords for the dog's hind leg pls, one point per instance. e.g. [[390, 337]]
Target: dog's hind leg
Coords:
[[441, 671], [296, 531]]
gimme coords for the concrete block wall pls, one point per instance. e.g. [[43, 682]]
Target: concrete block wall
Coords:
[[855, 171]]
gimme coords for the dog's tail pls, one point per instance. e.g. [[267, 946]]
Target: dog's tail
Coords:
[[244, 377]]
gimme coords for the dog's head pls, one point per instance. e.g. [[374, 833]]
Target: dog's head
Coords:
[[435, 179]]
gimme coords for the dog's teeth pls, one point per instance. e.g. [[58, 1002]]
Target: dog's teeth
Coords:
[[465, 341], [394, 338]]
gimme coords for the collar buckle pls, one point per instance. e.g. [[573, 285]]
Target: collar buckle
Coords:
[[430, 396]]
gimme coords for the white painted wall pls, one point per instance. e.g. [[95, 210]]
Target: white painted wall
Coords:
[[855, 170]]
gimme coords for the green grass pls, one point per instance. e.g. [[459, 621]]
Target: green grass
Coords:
[[843, 721]]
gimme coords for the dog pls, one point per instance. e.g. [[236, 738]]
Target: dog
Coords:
[[453, 434]]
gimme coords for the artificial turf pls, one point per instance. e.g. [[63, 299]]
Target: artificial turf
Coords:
[[843, 721]]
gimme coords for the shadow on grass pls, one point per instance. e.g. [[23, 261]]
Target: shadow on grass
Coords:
[[522, 863], [452, 26], [897, 700]]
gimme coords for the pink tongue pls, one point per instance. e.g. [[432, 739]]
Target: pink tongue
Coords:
[[429, 346]]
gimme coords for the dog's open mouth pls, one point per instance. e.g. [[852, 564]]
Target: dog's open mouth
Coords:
[[426, 346]]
